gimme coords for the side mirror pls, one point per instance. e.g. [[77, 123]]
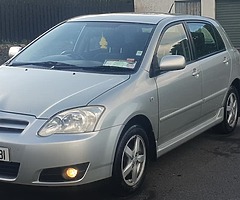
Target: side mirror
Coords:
[[13, 51], [167, 63], [172, 62]]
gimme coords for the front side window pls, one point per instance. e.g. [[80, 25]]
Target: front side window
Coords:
[[174, 41], [104, 47], [204, 39]]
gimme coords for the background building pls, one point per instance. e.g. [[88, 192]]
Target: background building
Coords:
[[227, 12], [24, 20]]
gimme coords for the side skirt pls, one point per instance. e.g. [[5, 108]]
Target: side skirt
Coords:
[[191, 133]]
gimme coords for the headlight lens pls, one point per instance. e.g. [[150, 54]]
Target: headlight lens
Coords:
[[78, 120]]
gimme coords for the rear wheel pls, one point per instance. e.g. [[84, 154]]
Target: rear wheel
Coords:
[[130, 161], [231, 113]]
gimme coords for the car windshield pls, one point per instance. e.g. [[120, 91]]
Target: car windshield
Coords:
[[103, 47]]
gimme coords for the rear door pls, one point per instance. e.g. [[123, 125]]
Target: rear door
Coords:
[[215, 63]]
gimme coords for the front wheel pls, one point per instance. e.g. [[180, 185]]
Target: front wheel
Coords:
[[130, 162], [231, 113]]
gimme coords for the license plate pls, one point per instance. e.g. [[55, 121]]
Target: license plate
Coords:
[[4, 154]]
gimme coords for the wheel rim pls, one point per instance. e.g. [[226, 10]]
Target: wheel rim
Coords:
[[232, 110], [133, 160]]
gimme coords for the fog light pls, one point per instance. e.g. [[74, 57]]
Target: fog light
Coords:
[[64, 173], [70, 173]]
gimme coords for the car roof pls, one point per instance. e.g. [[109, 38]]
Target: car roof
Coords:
[[148, 18]]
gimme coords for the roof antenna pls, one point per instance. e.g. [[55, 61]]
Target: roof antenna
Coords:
[[171, 8]]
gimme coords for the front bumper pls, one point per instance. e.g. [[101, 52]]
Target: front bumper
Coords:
[[36, 155]]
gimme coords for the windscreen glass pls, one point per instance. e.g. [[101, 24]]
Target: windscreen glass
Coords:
[[93, 46]]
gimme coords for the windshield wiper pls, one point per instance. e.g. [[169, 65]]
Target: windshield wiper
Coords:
[[65, 66], [106, 68], [48, 64]]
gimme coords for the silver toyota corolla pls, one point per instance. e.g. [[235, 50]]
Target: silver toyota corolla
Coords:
[[99, 96]]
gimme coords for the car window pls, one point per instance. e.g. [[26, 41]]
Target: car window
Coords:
[[117, 41], [221, 45], [100, 47], [174, 41], [204, 38]]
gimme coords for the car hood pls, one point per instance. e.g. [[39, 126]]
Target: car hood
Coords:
[[42, 93]]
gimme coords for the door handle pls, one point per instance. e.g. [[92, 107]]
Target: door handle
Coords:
[[226, 60], [195, 72]]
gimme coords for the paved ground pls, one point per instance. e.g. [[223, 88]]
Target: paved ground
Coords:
[[205, 168]]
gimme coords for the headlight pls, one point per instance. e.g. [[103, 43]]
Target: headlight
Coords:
[[78, 120]]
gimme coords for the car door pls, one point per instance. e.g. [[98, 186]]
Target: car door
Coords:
[[215, 64], [179, 91]]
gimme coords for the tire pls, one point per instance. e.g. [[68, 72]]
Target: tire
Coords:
[[231, 112], [131, 158]]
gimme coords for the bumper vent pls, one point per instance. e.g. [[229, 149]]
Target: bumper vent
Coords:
[[56, 174], [9, 170], [12, 126]]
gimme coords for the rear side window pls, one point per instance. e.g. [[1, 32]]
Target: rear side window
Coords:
[[221, 45], [206, 39]]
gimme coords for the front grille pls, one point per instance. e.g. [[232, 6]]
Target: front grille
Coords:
[[9, 170], [12, 126]]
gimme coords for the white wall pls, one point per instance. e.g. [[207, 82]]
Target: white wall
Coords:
[[208, 8], [163, 6]]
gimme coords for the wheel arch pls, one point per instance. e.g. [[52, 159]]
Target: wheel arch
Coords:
[[145, 123]]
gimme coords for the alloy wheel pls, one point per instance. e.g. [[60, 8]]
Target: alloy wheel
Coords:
[[133, 160], [232, 109]]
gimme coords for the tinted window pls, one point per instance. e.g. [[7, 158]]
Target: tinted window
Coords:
[[174, 42], [221, 45], [205, 40], [104, 47]]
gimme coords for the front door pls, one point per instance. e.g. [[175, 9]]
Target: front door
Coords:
[[179, 91]]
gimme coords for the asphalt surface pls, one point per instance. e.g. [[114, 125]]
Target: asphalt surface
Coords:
[[205, 168]]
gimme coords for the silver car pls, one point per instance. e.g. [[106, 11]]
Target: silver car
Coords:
[[99, 96]]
